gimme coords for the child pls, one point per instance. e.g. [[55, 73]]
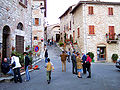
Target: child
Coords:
[[49, 67]]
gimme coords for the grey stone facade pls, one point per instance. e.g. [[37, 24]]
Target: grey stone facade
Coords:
[[13, 12]]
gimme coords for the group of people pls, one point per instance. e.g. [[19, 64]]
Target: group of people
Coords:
[[78, 64], [14, 66]]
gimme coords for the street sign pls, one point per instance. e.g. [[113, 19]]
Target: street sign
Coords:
[[36, 49]]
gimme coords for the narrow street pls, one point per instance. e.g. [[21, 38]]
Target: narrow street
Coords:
[[104, 77]]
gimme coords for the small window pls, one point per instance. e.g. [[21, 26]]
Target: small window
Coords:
[[35, 38], [110, 11], [36, 21], [20, 26], [91, 29], [90, 10]]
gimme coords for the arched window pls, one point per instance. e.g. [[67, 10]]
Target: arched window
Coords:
[[20, 26]]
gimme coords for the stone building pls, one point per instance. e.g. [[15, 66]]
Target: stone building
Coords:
[[15, 26], [96, 28], [38, 25], [53, 32], [66, 23]]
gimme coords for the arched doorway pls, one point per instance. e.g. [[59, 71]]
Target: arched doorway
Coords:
[[6, 42]]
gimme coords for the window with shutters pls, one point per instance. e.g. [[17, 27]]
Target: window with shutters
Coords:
[[111, 32], [90, 10], [19, 44], [91, 29], [78, 32], [23, 3], [36, 21], [110, 11]]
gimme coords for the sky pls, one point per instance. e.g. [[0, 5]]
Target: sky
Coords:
[[55, 8]]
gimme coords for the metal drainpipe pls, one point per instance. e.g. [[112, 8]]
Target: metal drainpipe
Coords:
[[85, 31]]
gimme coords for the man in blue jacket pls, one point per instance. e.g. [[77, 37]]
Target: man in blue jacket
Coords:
[[84, 64]]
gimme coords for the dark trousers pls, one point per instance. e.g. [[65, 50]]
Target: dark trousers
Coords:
[[48, 75], [89, 69], [68, 58], [17, 76], [84, 68], [74, 67]]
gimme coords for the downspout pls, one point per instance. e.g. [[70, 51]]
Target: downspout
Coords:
[[85, 31]]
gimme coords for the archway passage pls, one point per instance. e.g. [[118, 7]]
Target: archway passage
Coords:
[[6, 42], [57, 37]]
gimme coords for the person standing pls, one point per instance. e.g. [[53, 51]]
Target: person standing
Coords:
[[26, 62], [88, 65], [84, 64], [68, 55], [79, 65], [16, 68], [49, 67], [63, 60], [46, 56], [74, 64]]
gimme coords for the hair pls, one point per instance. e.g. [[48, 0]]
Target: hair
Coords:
[[73, 51], [12, 54], [63, 51], [25, 53], [87, 54], [48, 59]]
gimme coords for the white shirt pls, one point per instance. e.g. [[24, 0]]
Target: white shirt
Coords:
[[17, 63]]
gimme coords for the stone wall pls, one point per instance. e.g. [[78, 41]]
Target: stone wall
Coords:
[[11, 14]]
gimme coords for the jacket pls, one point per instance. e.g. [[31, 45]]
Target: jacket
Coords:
[[17, 62], [79, 62], [27, 61], [73, 57], [88, 59], [63, 57], [49, 66]]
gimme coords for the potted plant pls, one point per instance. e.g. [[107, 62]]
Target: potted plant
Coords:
[[114, 57]]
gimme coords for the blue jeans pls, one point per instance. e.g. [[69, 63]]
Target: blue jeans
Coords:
[[27, 74], [46, 60]]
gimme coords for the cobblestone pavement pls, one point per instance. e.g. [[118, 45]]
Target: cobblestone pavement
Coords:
[[104, 77]]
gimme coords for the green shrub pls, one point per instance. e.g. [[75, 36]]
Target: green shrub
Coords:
[[91, 55], [61, 43], [114, 57]]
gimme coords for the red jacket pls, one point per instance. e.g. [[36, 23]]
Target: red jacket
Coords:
[[88, 59]]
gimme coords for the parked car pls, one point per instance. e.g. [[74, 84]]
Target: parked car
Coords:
[[118, 64]]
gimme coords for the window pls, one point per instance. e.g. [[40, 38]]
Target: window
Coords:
[[78, 33], [35, 38], [110, 11], [36, 21], [70, 25], [19, 44], [90, 10], [20, 26], [111, 32], [91, 29]]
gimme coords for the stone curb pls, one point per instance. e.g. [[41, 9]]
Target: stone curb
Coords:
[[7, 79]]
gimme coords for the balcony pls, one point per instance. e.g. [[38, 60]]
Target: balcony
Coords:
[[112, 38]]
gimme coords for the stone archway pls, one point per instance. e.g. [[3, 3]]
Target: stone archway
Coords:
[[6, 42]]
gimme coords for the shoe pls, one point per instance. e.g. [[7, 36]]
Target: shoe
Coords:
[[48, 82], [79, 77], [88, 76]]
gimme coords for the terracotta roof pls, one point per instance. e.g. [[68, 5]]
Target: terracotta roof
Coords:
[[94, 2]]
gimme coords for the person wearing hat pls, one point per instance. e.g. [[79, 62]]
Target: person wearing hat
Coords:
[[84, 64], [88, 65]]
